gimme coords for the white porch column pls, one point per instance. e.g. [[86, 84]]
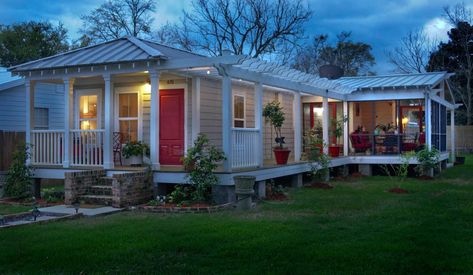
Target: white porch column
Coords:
[[325, 122], [108, 162], [29, 89], [297, 117], [154, 120], [259, 122], [345, 129], [227, 111], [428, 121], [68, 92], [452, 134], [195, 107]]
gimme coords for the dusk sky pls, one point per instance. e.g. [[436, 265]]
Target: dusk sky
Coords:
[[380, 23]]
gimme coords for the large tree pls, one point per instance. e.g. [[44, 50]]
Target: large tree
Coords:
[[28, 41], [117, 18], [412, 55], [456, 56], [250, 27], [353, 57]]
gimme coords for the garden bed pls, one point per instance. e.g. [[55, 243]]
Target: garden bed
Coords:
[[23, 202]]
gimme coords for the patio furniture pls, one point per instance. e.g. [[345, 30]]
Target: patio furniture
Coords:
[[360, 142], [391, 144], [409, 143], [117, 147]]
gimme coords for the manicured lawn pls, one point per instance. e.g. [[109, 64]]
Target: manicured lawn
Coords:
[[356, 227], [11, 209]]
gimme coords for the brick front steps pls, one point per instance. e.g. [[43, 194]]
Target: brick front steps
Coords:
[[195, 210]]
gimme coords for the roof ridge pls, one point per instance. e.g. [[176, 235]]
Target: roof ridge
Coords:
[[147, 49], [170, 47]]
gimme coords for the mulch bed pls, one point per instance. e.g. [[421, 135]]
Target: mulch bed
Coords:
[[39, 202], [319, 185], [398, 191], [277, 197]]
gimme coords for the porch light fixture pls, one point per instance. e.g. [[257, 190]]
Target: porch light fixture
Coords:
[[208, 71], [147, 88]]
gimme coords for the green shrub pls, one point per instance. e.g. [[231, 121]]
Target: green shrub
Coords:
[[428, 159], [135, 148], [273, 113], [52, 195], [318, 161], [18, 182], [204, 159]]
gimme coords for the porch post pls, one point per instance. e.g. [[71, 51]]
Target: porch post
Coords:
[[296, 117], [29, 89], [227, 111], [345, 129], [259, 122], [108, 162], [452, 134], [195, 107], [428, 121], [68, 92], [154, 120], [325, 122]]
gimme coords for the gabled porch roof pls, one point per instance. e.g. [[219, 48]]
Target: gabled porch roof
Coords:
[[125, 49]]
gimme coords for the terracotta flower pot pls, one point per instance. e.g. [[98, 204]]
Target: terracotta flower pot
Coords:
[[334, 151], [282, 155]]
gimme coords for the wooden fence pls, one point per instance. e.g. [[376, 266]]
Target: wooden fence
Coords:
[[8, 143], [463, 138]]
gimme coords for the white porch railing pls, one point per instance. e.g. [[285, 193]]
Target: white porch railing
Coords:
[[86, 147], [245, 147], [47, 147]]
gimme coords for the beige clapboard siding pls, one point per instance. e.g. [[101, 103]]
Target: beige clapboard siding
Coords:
[[287, 129], [211, 107]]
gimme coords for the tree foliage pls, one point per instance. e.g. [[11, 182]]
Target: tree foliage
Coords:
[[412, 55], [456, 56], [23, 42], [118, 18], [250, 27], [18, 184], [353, 57]]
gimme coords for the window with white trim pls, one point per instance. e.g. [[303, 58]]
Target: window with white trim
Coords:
[[238, 111], [88, 112], [41, 118], [128, 116]]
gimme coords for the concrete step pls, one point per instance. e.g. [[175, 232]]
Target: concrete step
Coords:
[[100, 190], [96, 199], [106, 181]]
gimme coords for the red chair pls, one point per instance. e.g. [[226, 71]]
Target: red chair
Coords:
[[409, 143], [360, 142]]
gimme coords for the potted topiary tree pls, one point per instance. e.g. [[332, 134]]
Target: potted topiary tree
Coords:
[[273, 113], [134, 151]]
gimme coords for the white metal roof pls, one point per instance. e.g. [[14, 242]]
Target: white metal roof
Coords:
[[394, 81], [7, 80], [126, 49]]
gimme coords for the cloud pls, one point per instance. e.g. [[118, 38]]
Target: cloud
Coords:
[[437, 29]]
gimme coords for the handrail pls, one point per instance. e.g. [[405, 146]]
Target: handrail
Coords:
[[47, 131], [246, 129]]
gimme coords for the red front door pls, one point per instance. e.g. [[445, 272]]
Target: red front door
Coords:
[[171, 126]]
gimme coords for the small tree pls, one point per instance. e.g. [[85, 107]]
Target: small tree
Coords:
[[318, 161], [399, 172], [273, 113], [428, 160], [19, 174], [204, 159]]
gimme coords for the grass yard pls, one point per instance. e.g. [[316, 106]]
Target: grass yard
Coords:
[[356, 227], [12, 209]]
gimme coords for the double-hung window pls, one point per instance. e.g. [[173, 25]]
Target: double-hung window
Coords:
[[128, 116], [238, 111]]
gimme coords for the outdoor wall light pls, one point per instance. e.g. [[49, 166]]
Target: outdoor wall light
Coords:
[[76, 206]]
